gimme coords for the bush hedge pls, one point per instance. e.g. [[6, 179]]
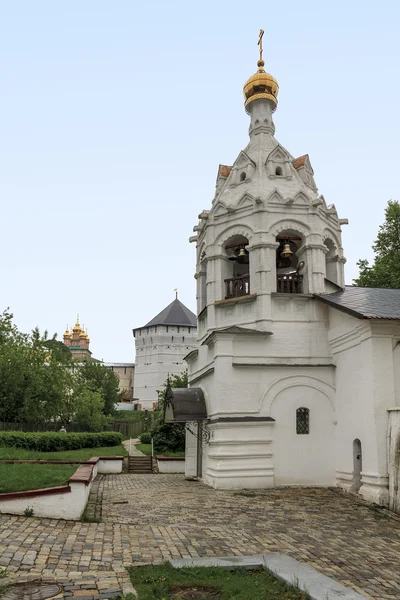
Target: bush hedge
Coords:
[[145, 437], [51, 442]]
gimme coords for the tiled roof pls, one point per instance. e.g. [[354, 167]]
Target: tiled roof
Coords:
[[224, 170], [300, 162], [117, 364], [365, 303], [175, 313]]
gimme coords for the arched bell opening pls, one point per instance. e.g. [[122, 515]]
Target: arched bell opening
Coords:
[[289, 279], [331, 261], [202, 282], [237, 267]]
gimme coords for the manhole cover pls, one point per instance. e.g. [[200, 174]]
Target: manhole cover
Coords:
[[32, 591]]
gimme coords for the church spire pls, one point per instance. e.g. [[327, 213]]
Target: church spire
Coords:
[[261, 96]]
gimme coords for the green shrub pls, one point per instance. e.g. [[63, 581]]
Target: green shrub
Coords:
[[145, 437], [53, 442], [168, 437]]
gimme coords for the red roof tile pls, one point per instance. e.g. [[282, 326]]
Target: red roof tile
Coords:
[[300, 162], [224, 170]]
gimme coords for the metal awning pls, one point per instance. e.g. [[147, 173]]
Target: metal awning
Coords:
[[188, 405]]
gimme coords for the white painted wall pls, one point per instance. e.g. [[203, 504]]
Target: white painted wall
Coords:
[[343, 369], [304, 459], [105, 465], [171, 466], [66, 505], [159, 352]]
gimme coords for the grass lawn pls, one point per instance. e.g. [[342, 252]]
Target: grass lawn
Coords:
[[81, 454], [163, 582], [146, 449], [18, 477]]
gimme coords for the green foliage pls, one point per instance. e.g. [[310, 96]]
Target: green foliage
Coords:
[[13, 453], [168, 436], [35, 374], [385, 272], [99, 378], [146, 449], [129, 415], [52, 442], [179, 381], [89, 406], [28, 512], [145, 437], [40, 383], [163, 582], [24, 476]]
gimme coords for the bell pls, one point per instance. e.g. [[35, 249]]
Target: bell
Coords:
[[243, 257], [286, 252]]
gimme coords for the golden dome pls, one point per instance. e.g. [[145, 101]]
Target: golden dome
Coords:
[[77, 328], [67, 334], [261, 85]]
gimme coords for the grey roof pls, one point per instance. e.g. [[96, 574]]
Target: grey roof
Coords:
[[175, 313], [365, 303], [234, 329], [118, 364], [188, 405]]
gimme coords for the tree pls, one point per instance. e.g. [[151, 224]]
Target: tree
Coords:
[[168, 436], [34, 373], [89, 407], [385, 272], [104, 380]]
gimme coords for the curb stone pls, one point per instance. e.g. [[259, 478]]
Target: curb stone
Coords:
[[291, 571]]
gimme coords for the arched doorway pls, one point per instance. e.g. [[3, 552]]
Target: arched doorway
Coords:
[[357, 465]]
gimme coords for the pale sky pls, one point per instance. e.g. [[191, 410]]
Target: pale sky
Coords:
[[115, 116]]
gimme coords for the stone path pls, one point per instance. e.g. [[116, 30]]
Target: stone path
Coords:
[[132, 447], [152, 518]]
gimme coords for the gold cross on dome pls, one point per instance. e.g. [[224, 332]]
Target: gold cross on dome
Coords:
[[259, 43]]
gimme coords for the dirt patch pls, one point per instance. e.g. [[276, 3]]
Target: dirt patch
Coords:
[[195, 593]]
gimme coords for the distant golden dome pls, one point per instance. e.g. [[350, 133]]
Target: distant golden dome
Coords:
[[77, 328], [67, 334], [260, 85]]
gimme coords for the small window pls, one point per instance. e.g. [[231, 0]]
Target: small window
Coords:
[[278, 171], [172, 338], [302, 421], [242, 176], [183, 338]]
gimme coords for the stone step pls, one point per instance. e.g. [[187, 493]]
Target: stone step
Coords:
[[140, 471]]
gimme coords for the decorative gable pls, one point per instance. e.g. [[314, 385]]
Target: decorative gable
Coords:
[[223, 174], [242, 169], [278, 162], [303, 167], [246, 201]]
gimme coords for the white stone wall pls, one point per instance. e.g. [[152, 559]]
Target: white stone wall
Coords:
[[159, 352], [299, 353], [393, 450]]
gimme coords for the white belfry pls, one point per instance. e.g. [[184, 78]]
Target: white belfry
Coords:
[[297, 370]]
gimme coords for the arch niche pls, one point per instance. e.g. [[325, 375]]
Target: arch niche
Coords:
[[302, 457]]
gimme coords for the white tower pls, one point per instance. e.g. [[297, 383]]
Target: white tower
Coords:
[[266, 246], [161, 345]]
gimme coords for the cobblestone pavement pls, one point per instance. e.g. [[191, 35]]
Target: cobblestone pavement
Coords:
[[152, 518]]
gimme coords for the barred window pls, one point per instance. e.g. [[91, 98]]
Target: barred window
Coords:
[[302, 421]]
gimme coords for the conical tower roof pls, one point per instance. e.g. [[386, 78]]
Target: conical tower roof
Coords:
[[175, 313]]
